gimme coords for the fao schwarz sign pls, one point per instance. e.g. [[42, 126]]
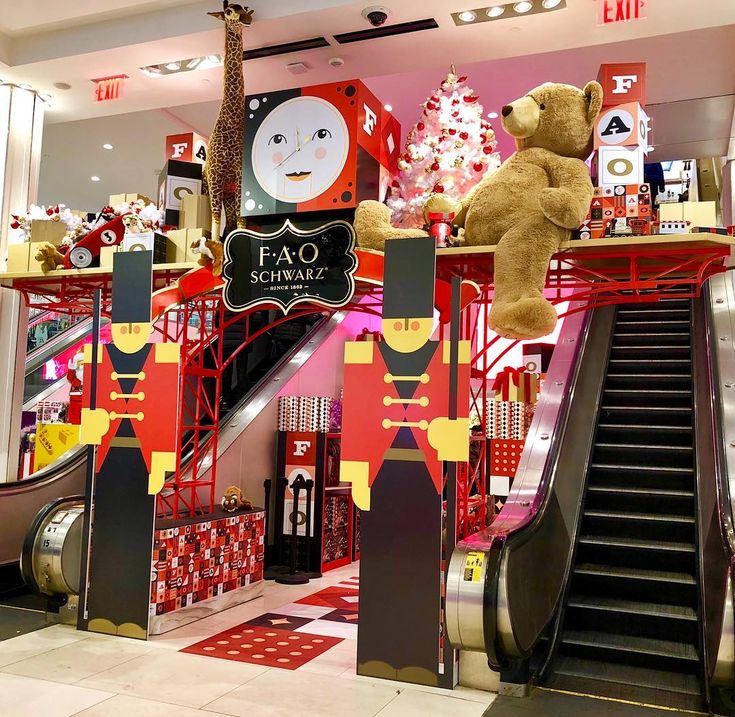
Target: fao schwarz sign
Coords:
[[290, 267]]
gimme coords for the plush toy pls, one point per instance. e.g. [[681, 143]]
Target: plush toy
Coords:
[[232, 500], [210, 252], [528, 207], [49, 256]]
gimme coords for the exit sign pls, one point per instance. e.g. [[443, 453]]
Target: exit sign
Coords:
[[611, 11], [108, 88]]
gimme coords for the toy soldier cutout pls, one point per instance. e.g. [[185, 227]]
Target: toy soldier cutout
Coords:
[[396, 434], [134, 426]]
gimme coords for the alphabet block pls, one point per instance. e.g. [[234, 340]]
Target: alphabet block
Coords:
[[622, 126], [623, 82], [620, 165]]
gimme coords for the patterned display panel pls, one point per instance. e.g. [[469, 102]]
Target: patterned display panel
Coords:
[[198, 561]]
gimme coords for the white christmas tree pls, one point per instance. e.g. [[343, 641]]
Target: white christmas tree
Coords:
[[448, 150]]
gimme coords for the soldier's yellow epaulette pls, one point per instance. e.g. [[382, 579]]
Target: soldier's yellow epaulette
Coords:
[[465, 351], [88, 353], [168, 353], [359, 352]]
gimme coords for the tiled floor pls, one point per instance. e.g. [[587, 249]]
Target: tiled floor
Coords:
[[59, 672]]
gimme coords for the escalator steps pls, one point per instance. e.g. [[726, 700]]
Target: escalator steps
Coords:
[[631, 625]]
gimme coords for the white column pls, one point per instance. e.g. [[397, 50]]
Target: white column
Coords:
[[21, 131], [728, 192]]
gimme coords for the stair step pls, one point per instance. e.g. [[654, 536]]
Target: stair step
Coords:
[[602, 540], [656, 312], [655, 492], [637, 645], [614, 515], [684, 450], [627, 427], [653, 469], [610, 571], [652, 609], [646, 397], [674, 338], [628, 675], [642, 552]]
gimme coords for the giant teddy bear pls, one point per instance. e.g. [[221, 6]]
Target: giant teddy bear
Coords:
[[528, 207]]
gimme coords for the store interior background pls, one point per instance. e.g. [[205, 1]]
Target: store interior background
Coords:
[[689, 49], [691, 96]]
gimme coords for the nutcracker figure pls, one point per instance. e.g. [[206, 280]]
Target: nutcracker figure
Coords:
[[396, 434], [131, 415]]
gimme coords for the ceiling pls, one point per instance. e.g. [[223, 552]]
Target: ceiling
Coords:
[[690, 56], [97, 38]]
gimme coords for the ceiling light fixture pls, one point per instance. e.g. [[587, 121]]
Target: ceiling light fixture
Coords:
[[62, 85], [192, 63], [95, 178], [107, 145], [388, 108], [492, 115], [501, 11]]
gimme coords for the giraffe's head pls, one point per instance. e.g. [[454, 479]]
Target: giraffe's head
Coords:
[[234, 14]]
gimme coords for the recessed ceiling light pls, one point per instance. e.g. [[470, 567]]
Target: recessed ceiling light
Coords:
[[173, 66], [388, 108], [523, 6], [550, 4], [492, 115], [466, 16], [496, 11], [62, 85], [95, 178], [107, 145]]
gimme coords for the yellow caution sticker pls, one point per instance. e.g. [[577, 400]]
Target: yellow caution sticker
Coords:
[[473, 565]]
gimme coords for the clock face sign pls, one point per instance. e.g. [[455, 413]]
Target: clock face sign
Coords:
[[300, 149]]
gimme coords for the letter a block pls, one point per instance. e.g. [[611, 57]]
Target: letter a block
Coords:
[[622, 126], [619, 165], [623, 82]]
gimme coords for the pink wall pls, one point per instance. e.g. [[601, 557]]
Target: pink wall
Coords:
[[251, 458]]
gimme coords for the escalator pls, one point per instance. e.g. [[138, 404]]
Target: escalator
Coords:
[[608, 571], [630, 625]]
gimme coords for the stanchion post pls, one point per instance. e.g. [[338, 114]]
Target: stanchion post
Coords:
[[294, 577], [309, 490]]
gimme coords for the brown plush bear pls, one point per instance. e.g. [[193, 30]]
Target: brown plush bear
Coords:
[[528, 207]]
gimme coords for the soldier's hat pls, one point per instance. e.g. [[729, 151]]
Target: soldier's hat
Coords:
[[132, 286], [408, 278]]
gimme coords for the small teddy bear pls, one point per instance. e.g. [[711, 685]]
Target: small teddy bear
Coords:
[[232, 500], [211, 251]]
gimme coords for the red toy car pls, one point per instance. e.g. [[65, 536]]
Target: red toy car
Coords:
[[86, 250]]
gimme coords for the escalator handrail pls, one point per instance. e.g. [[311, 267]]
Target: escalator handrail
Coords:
[[722, 361], [231, 425], [530, 486], [38, 357]]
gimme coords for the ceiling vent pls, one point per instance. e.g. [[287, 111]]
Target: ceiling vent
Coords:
[[297, 68], [285, 48], [401, 28]]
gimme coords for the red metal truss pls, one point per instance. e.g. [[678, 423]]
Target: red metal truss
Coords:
[[597, 275]]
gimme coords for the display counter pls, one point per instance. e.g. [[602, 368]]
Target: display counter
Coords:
[[203, 565]]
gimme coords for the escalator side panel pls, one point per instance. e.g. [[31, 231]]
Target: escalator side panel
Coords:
[[537, 561], [714, 357]]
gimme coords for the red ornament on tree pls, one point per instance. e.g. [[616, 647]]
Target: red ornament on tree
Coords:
[[420, 126], [463, 135], [435, 166], [478, 166], [439, 188]]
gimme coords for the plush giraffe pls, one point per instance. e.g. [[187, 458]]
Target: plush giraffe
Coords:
[[223, 171]]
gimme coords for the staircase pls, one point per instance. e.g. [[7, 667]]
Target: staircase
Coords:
[[630, 628]]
